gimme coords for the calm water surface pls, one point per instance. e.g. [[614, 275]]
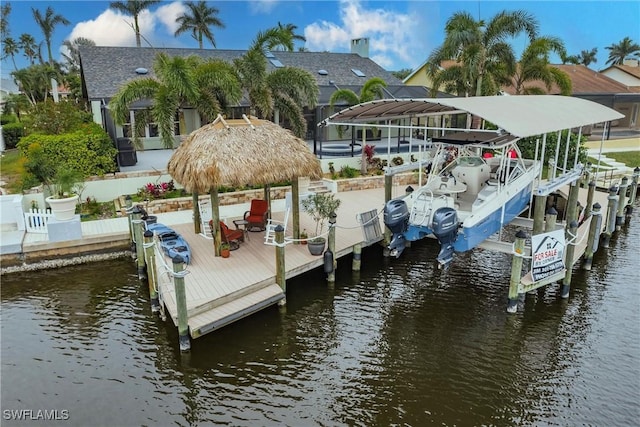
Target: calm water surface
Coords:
[[403, 344]]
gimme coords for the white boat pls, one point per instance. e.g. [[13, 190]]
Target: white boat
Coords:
[[467, 197]]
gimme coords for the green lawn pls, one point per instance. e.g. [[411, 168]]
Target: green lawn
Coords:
[[11, 168], [629, 158]]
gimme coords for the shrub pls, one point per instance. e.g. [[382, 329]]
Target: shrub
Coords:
[[153, 191], [54, 118], [12, 132], [348, 172], [397, 161]]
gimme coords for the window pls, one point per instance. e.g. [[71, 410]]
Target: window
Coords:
[[358, 72], [276, 63], [151, 130]]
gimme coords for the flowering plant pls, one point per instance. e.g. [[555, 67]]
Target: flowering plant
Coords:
[[153, 191]]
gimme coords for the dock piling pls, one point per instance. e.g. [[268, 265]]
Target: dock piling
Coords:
[[128, 203], [622, 202], [152, 277], [181, 303], [138, 230], [280, 266], [516, 271], [550, 221], [331, 276], [590, 192], [611, 216], [592, 239], [538, 214], [357, 257], [570, 237]]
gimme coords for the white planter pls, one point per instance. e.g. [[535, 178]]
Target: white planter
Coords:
[[63, 209]]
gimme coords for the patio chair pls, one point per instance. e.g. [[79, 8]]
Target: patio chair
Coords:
[[270, 235], [256, 216], [232, 237]]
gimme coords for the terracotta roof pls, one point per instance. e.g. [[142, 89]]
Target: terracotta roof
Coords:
[[584, 81], [629, 69]]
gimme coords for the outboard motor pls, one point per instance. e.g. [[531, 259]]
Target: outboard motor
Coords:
[[445, 228], [396, 218]]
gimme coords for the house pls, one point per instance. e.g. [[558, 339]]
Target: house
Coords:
[[7, 87], [586, 83], [105, 69]]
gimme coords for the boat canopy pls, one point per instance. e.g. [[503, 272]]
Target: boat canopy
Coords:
[[520, 115]]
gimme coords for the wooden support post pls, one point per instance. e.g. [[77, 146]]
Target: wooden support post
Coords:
[[622, 202], [633, 191], [138, 230], [571, 239], [331, 276], [538, 214], [550, 222], [267, 197], [572, 203], [516, 271], [295, 209], [181, 303], [611, 216], [357, 257], [551, 166], [592, 239], [590, 192], [196, 213], [388, 186], [152, 275], [280, 266], [216, 233], [128, 203]]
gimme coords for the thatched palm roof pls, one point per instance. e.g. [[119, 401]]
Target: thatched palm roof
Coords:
[[240, 152]]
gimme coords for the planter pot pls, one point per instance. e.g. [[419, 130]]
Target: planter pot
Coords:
[[225, 253], [63, 209], [316, 247]]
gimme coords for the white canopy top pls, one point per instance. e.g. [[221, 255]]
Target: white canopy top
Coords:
[[520, 115]]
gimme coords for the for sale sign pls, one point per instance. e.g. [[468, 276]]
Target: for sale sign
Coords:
[[548, 254]]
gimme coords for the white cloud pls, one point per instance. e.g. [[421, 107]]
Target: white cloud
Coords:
[[168, 14], [262, 6], [110, 28], [394, 38]]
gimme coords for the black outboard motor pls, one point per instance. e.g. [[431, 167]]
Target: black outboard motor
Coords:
[[445, 228], [396, 218]]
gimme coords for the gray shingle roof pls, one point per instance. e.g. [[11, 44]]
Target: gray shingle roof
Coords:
[[105, 69]]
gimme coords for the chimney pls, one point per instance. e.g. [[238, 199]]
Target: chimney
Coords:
[[630, 62], [360, 46]]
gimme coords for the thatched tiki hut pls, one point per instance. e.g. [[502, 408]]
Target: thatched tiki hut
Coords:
[[240, 152]]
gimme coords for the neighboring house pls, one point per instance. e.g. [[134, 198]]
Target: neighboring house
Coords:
[[628, 73], [586, 83], [7, 87], [105, 69]]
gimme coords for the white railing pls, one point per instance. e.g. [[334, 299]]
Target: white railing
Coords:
[[36, 220]]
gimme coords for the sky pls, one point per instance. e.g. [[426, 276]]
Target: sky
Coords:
[[401, 34]]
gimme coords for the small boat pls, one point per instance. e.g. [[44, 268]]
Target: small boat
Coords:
[[172, 243], [466, 198]]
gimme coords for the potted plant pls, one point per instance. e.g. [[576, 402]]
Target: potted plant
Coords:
[[303, 237], [225, 250], [319, 206], [64, 195]]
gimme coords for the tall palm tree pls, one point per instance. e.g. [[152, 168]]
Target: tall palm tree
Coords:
[[585, 57], [134, 8], [288, 34], [285, 90], [47, 24], [534, 66], [208, 86], [199, 21], [5, 10], [10, 49], [618, 52], [35, 81], [372, 89], [483, 59], [73, 57], [29, 47]]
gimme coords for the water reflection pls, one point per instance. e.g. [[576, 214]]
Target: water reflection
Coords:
[[404, 344]]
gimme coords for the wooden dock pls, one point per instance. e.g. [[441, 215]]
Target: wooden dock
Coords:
[[222, 290]]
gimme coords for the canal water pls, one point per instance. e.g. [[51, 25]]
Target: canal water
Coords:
[[403, 344]]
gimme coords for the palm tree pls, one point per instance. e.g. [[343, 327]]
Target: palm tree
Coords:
[[29, 47], [5, 10], [288, 37], [198, 22], [133, 8], [534, 66], [483, 59], [47, 24], [35, 81], [372, 89], [618, 52], [208, 86], [9, 50], [283, 91], [73, 57], [585, 57]]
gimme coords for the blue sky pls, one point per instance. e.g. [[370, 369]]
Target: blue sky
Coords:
[[402, 33]]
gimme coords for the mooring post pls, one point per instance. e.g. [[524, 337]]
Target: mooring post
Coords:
[[128, 203], [550, 221], [280, 267], [570, 238], [516, 271], [572, 203], [152, 277], [592, 240], [622, 202], [634, 187], [330, 259], [197, 223], [388, 186], [590, 192], [586, 175], [611, 216], [551, 166], [295, 209], [138, 230], [181, 303], [357, 257], [538, 214]]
